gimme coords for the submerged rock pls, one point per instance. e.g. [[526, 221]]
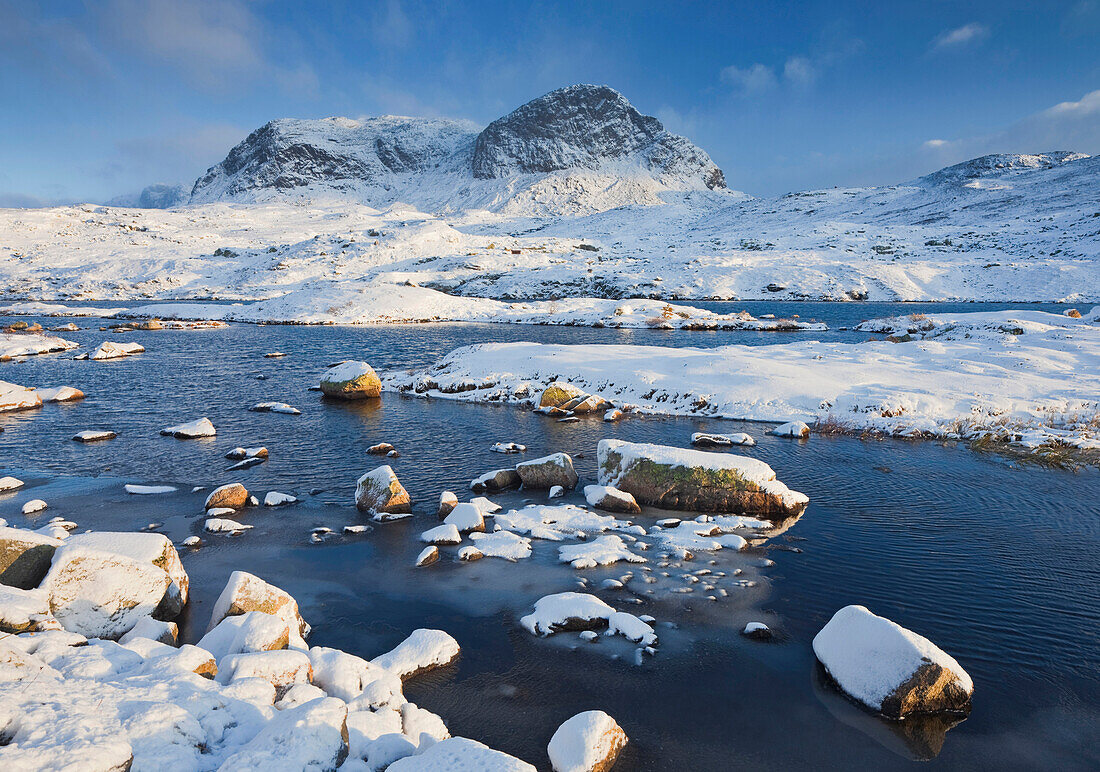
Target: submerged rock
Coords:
[[381, 493], [757, 631], [588, 742], [351, 380], [381, 449], [888, 668], [548, 471], [696, 481]]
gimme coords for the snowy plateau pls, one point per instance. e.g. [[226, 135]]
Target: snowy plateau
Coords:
[[574, 195]]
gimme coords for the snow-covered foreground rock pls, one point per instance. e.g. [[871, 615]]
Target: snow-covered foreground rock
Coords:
[[1020, 376], [251, 695], [889, 669]]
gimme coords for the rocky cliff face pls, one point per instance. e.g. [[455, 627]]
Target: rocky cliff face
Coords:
[[587, 127], [586, 132]]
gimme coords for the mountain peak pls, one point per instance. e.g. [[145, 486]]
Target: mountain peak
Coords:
[[586, 127]]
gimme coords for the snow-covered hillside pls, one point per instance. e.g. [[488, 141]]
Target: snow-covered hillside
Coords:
[[575, 194]]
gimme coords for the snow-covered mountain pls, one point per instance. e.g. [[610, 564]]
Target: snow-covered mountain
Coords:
[[575, 150], [160, 195]]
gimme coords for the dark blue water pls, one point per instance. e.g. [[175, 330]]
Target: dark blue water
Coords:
[[994, 562]]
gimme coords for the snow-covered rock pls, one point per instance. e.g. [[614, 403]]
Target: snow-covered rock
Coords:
[[496, 480], [240, 454], [33, 506], [277, 499], [757, 630], [351, 380], [711, 439], [465, 518], [694, 480], [248, 632], [602, 551], [246, 592], [611, 499], [442, 534], [889, 669], [224, 525], [796, 429], [230, 496], [94, 435], [565, 611], [10, 484], [275, 407], [201, 427], [312, 736], [61, 394], [447, 501], [459, 754], [109, 349], [548, 471], [135, 489], [279, 667], [102, 594], [21, 344], [380, 493], [427, 556], [587, 742], [502, 544], [13, 397], [470, 553], [423, 650], [507, 447], [25, 610], [161, 631]]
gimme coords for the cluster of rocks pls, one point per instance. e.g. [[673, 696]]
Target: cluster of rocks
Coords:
[[564, 400], [91, 654]]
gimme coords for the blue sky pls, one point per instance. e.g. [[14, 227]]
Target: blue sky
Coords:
[[102, 98]]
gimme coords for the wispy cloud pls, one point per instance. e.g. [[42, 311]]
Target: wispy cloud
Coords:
[[960, 37], [800, 71], [754, 78]]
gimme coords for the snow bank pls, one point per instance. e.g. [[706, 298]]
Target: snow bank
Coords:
[[1005, 385]]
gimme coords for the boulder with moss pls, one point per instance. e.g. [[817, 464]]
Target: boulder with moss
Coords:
[[351, 380]]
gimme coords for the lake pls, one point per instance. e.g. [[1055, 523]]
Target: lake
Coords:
[[993, 561]]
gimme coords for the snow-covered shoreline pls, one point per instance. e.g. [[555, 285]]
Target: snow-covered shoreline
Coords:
[[1024, 377], [404, 304]]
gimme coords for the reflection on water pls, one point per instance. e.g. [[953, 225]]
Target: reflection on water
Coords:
[[996, 564]]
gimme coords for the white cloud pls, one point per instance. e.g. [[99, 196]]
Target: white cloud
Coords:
[[755, 78], [800, 71], [960, 36], [934, 143]]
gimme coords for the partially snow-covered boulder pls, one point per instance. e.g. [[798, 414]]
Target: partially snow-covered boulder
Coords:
[[611, 499], [380, 492], [795, 429], [231, 496], [697, 481], [244, 633], [10, 484], [278, 499], [351, 380], [153, 548], [349, 677], [246, 592], [102, 594], [94, 435], [442, 534], [34, 506], [25, 557], [548, 471], [588, 742], [60, 394], [279, 667], [153, 630], [427, 556], [201, 427], [567, 611], [497, 480], [13, 397], [891, 670], [559, 393], [423, 650], [447, 501], [110, 349]]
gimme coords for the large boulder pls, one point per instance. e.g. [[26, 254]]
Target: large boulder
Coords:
[[558, 393], [588, 742], [154, 548], [696, 481], [891, 670], [351, 380], [246, 592], [548, 471], [102, 594], [233, 496], [380, 492], [25, 557]]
